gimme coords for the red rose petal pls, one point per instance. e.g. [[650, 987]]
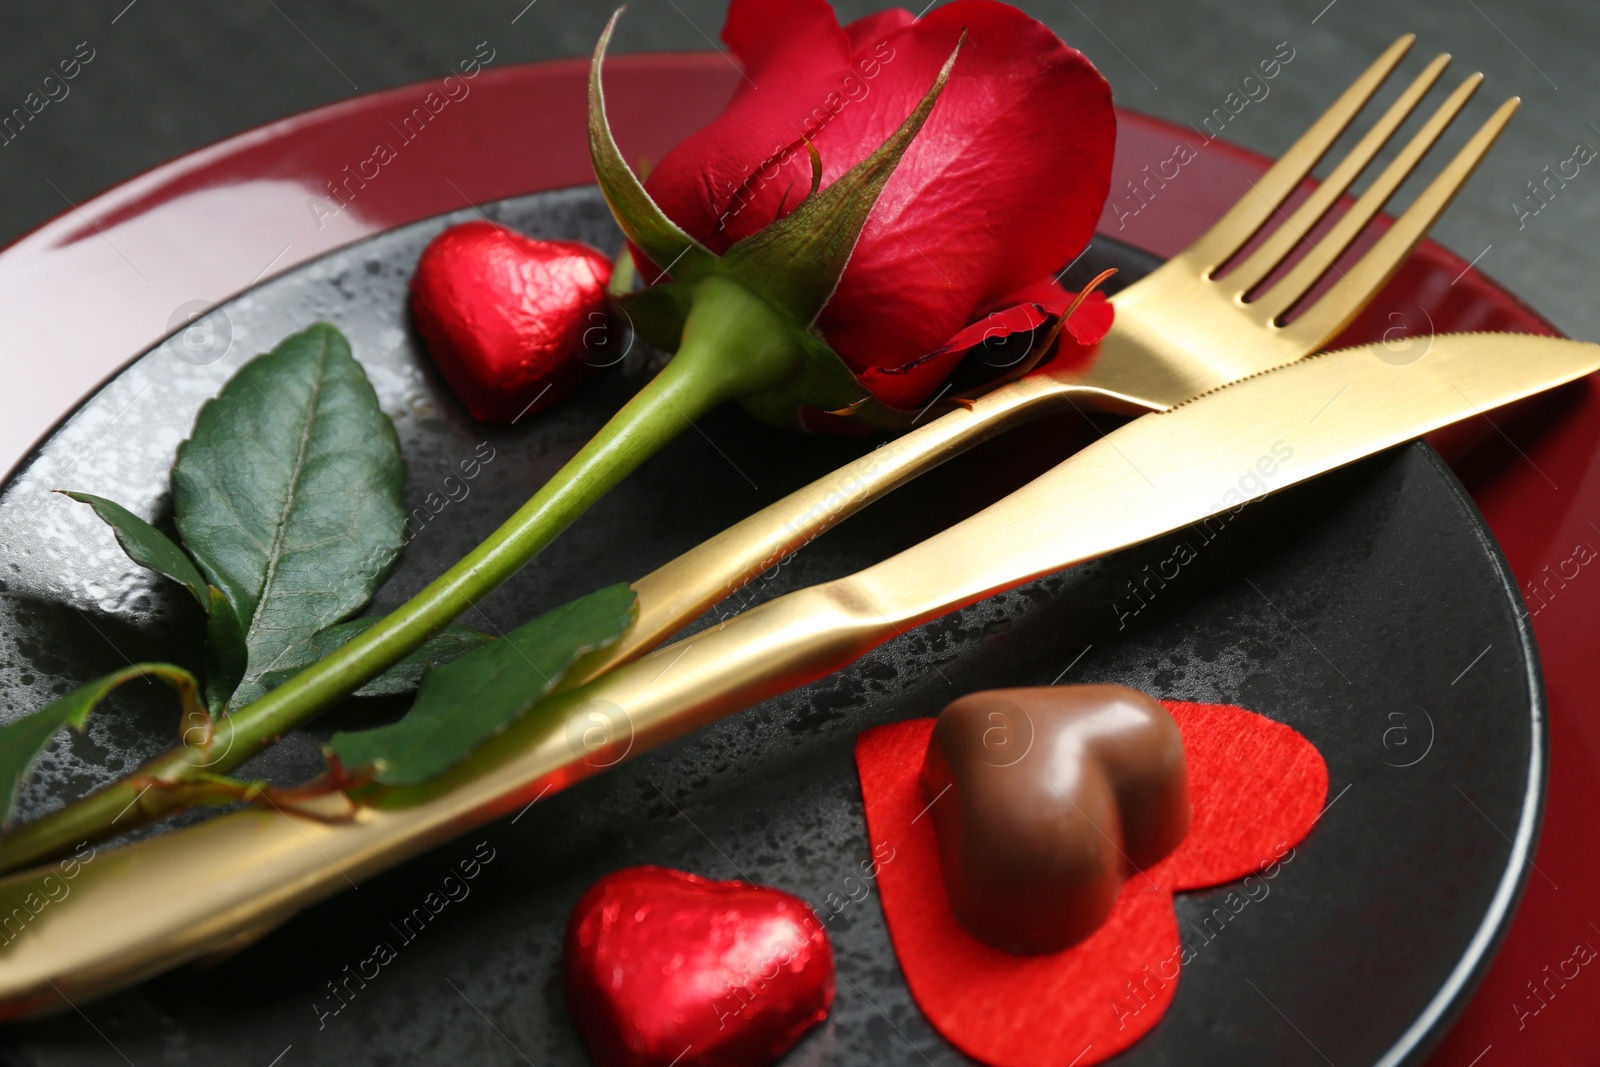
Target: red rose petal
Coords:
[[989, 197], [870, 29], [1099, 997], [722, 184], [1022, 312], [1002, 186], [1092, 320]]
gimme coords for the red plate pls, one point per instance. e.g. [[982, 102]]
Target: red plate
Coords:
[[102, 282]]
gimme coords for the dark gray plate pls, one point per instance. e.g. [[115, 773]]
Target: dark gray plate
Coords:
[[1370, 610]]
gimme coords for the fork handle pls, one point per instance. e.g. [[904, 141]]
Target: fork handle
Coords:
[[678, 592]]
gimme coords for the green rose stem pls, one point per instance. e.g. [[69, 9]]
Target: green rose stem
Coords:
[[734, 345]]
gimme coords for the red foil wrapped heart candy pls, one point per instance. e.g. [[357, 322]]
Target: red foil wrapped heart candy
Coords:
[[508, 319], [665, 968]]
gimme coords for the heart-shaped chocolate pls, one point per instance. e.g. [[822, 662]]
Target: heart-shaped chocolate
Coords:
[[513, 323], [1055, 795], [665, 968]]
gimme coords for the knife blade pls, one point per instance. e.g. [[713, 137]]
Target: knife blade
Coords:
[[142, 908]]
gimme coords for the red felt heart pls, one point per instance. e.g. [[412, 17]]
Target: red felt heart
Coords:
[[512, 322], [1256, 787], [665, 968]]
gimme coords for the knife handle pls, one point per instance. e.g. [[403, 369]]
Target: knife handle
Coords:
[[137, 910], [133, 911]]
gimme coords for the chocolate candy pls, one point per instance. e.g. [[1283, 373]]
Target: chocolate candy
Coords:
[[1044, 800]]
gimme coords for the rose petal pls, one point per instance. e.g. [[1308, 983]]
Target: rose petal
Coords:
[[991, 196], [1002, 186], [870, 29], [1041, 304], [1092, 320], [721, 183]]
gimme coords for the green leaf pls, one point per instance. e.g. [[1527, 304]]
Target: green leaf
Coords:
[[227, 654], [146, 545], [642, 221], [446, 646], [23, 741], [287, 495], [463, 704], [149, 547], [795, 263]]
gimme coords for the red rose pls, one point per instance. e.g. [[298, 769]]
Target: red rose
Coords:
[[1002, 186]]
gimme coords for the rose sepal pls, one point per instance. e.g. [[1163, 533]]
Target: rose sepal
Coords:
[[793, 264], [644, 224]]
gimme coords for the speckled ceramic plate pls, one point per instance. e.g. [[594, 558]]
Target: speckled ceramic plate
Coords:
[[1370, 610]]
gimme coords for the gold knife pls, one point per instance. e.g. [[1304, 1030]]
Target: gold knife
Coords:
[[124, 914]]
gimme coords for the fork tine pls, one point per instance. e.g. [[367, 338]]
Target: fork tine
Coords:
[[1332, 312], [1319, 259], [1261, 262], [1230, 232]]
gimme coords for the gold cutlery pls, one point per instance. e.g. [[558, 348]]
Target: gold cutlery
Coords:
[[1178, 332], [126, 913]]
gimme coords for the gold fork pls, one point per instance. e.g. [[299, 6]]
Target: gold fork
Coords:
[[1178, 332]]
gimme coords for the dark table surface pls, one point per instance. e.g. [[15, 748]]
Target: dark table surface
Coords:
[[166, 78]]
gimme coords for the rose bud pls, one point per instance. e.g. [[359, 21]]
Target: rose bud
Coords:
[[1000, 189]]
